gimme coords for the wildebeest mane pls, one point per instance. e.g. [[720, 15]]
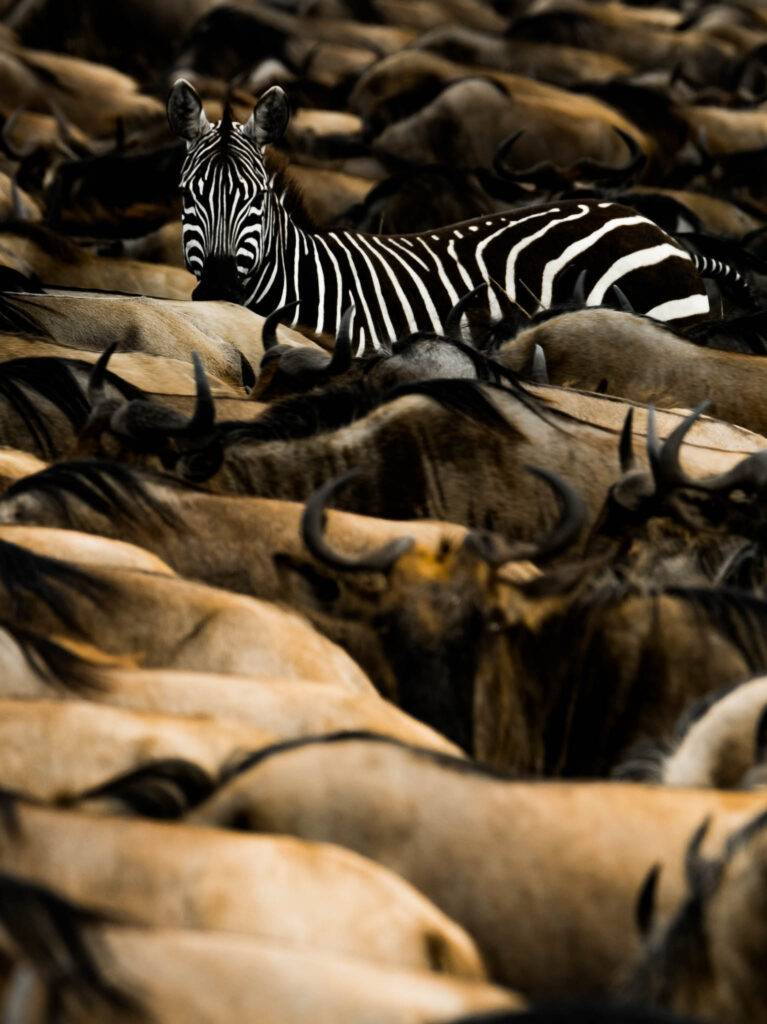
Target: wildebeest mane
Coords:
[[303, 415], [587, 720], [165, 789], [52, 378], [110, 488], [738, 615], [643, 761], [24, 573], [56, 665], [48, 932], [458, 764], [742, 333], [330, 409]]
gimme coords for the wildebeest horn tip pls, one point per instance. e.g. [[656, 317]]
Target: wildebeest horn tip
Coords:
[[312, 533]]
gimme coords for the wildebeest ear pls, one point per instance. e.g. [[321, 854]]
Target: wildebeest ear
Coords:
[[270, 117], [185, 114]]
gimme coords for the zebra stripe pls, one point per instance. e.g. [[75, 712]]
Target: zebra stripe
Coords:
[[632, 261], [237, 209]]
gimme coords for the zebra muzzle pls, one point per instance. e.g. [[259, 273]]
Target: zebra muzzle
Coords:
[[220, 279]]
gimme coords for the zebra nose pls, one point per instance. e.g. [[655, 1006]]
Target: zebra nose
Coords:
[[220, 280]]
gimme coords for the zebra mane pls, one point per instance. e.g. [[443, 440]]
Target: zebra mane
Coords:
[[225, 128], [289, 193]]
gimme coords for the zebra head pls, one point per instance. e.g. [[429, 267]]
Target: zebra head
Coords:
[[226, 196]]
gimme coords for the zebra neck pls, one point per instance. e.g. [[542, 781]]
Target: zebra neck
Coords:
[[284, 245]]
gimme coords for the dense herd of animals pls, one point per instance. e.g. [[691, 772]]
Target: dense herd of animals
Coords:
[[383, 561]]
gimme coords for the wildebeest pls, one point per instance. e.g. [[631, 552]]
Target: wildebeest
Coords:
[[634, 358], [705, 959], [170, 518], [529, 869], [165, 621], [719, 741], [305, 894], [123, 972]]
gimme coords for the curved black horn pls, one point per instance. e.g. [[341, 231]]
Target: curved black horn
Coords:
[[579, 291], [204, 415], [692, 853], [539, 372], [96, 390], [19, 211], [453, 319], [312, 533], [664, 459], [645, 905], [653, 444], [247, 375], [269, 330], [750, 474], [564, 533], [594, 170], [626, 446], [341, 359], [624, 303], [570, 524], [501, 152]]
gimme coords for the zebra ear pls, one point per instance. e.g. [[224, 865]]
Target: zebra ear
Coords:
[[270, 117], [185, 114]]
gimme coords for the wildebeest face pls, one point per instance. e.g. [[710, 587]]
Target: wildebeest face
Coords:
[[424, 630]]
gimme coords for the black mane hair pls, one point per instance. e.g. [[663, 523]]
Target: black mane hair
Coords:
[[47, 579], [110, 488], [454, 763], [48, 931], [164, 789], [52, 378], [55, 665], [332, 408]]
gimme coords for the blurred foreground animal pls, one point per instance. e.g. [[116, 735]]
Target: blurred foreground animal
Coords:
[[544, 876], [706, 958], [92, 968], [305, 894]]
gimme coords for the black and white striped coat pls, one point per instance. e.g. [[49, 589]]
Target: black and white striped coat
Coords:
[[242, 242]]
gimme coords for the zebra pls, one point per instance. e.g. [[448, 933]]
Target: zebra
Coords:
[[247, 239]]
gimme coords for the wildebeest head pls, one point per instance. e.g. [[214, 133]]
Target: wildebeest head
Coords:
[[225, 186], [142, 431], [426, 624]]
